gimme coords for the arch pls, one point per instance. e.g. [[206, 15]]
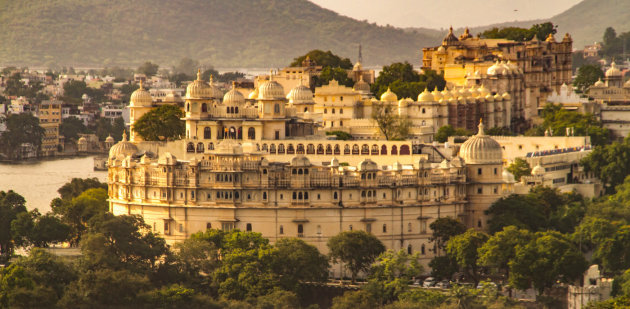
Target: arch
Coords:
[[204, 108], [272, 149], [210, 146], [281, 149], [328, 149], [239, 134], [207, 133], [300, 196], [199, 147], [320, 149], [365, 149], [281, 230], [188, 107], [276, 108], [310, 149], [335, 196], [190, 147], [236, 110], [232, 133], [394, 150], [374, 150], [300, 229], [355, 149], [404, 150], [383, 150], [336, 150], [264, 147], [251, 133], [346, 149], [300, 171], [300, 148], [290, 149]]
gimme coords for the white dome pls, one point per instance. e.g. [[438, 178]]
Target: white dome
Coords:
[[599, 84], [508, 177], [425, 96], [270, 90], [437, 96], [613, 71], [233, 97], [199, 89], [538, 170], [123, 148], [141, 97], [253, 95], [300, 94], [481, 149], [389, 96]]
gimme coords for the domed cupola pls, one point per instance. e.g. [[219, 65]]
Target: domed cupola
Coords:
[[123, 148], [450, 38], [270, 90], [141, 98], [437, 96], [215, 92], [253, 95], [233, 97], [361, 86], [538, 170], [300, 94], [599, 84], [496, 69], [199, 89], [425, 96], [483, 91], [613, 71], [389, 96], [481, 149]]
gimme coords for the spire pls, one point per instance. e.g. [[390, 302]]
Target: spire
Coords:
[[360, 54], [124, 138], [141, 88], [270, 75], [481, 131], [211, 79], [233, 84], [198, 74]]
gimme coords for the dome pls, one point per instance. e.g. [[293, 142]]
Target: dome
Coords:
[[361, 85], [489, 97], [481, 149], [498, 97], [389, 96], [508, 177], [513, 67], [473, 92], [403, 103], [357, 66], [506, 68], [123, 148], [446, 95], [253, 95], [367, 165], [450, 38], [270, 90], [483, 91], [627, 84], [215, 92], [82, 141], [300, 94], [109, 139], [300, 160], [599, 84], [506, 96], [198, 89], [441, 50], [233, 97], [550, 38], [141, 97], [425, 96], [538, 170], [613, 71], [334, 162], [436, 95], [465, 93], [172, 96], [495, 69]]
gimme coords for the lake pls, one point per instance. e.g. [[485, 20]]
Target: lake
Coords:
[[38, 181]]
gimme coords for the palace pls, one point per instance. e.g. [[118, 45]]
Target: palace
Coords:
[[255, 165], [529, 71]]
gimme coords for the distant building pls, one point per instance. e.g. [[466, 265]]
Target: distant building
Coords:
[[592, 50], [49, 115]]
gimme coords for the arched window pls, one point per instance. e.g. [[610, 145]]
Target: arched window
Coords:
[[210, 146], [383, 150], [328, 149], [276, 108], [365, 149], [355, 149], [310, 149], [187, 107], [200, 147], [236, 110], [264, 195], [337, 150], [272, 149], [300, 196], [281, 149], [239, 133], [248, 227], [290, 149], [206, 133], [346, 149], [320, 149], [374, 150], [335, 196], [333, 110], [394, 150], [300, 229], [251, 133], [300, 149], [204, 108], [384, 228], [300, 171], [404, 150], [264, 147], [190, 147], [325, 111], [281, 230], [295, 195], [409, 249]]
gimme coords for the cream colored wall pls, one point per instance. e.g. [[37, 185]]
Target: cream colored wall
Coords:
[[519, 146]]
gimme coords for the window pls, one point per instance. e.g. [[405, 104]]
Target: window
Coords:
[[300, 230], [478, 223], [422, 249], [248, 227], [281, 230], [479, 190], [495, 171], [276, 108], [319, 230], [384, 228], [166, 226], [479, 171], [208, 226], [368, 227], [181, 228], [409, 249], [227, 226], [335, 196], [350, 227], [206, 133], [409, 227]]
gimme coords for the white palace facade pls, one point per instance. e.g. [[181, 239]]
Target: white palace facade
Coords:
[[257, 165]]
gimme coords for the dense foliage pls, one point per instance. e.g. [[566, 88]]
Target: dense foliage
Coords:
[[540, 31], [405, 82], [162, 123], [22, 129], [557, 120], [587, 75]]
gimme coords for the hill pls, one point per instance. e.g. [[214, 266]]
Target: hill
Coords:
[[235, 33], [585, 21]]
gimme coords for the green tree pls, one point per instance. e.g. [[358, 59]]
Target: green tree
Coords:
[[298, 262], [391, 274], [21, 129], [540, 31], [609, 163], [324, 59], [610, 35], [558, 120], [519, 168], [356, 249], [76, 186], [548, 258], [341, 135], [443, 229], [148, 68], [443, 267], [405, 81], [186, 66], [71, 127], [74, 89], [614, 251], [499, 131], [447, 131], [593, 231], [127, 89], [463, 249], [176, 296], [11, 205], [587, 75], [77, 211], [14, 86], [161, 123], [336, 73], [500, 248], [392, 125], [31, 228]]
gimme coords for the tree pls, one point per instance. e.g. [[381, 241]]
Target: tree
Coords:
[[148, 68], [558, 120], [609, 163], [341, 135], [14, 86], [79, 210], [593, 231], [76, 186], [447, 131], [391, 274], [587, 75], [74, 89], [443, 229], [614, 251], [31, 228], [540, 31], [610, 35], [500, 248], [186, 66], [71, 127], [546, 259], [443, 267], [405, 81], [391, 125], [161, 123], [336, 73], [324, 59], [298, 262], [499, 131], [21, 129], [11, 205], [519, 168], [463, 249], [356, 249]]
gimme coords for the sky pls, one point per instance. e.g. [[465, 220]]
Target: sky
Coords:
[[440, 14]]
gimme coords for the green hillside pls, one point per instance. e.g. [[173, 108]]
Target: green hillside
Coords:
[[234, 33]]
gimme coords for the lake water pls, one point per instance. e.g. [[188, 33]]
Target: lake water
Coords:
[[38, 181]]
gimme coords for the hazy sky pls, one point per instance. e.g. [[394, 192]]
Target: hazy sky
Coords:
[[443, 13]]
